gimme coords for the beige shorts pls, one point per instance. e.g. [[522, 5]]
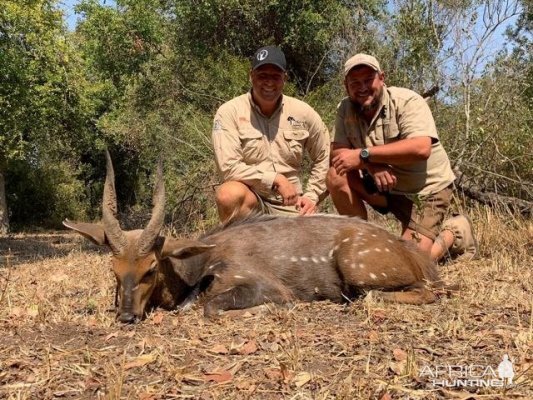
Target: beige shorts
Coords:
[[274, 207]]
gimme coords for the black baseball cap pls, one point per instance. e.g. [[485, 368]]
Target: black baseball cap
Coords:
[[269, 55]]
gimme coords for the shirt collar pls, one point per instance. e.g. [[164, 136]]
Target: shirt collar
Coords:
[[258, 110]]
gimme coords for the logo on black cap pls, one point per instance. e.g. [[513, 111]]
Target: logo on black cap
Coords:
[[262, 55], [269, 55]]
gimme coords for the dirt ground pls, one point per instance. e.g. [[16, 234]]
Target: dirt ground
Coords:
[[59, 337]]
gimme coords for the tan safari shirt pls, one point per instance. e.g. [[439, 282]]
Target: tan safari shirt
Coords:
[[403, 114], [251, 148]]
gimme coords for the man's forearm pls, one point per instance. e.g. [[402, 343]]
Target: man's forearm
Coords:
[[404, 151]]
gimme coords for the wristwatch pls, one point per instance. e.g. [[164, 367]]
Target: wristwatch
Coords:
[[364, 155]]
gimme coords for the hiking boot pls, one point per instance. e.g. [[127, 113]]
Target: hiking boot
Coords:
[[464, 246]]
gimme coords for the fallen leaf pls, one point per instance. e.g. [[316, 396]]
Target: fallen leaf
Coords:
[[398, 368], [218, 377], [399, 354], [236, 346], [379, 316], [245, 385], [219, 349], [92, 384], [157, 319], [140, 361], [273, 374], [249, 348], [373, 336], [301, 379], [274, 347]]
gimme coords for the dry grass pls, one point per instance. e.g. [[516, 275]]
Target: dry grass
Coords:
[[60, 340]]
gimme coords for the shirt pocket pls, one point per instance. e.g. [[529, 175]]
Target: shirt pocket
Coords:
[[293, 146], [252, 145], [391, 133]]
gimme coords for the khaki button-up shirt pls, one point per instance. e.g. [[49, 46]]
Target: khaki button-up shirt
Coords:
[[402, 114], [252, 148]]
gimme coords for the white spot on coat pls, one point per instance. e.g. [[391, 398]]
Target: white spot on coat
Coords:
[[387, 250], [361, 265], [213, 265], [363, 252], [373, 276], [304, 258], [323, 259], [238, 277], [294, 259], [345, 240], [384, 274], [377, 249]]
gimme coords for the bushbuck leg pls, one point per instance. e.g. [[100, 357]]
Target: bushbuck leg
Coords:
[[244, 296]]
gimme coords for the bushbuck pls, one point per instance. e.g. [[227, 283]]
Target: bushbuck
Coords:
[[256, 260]]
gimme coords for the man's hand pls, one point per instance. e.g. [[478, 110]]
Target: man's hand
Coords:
[[384, 178], [346, 160], [286, 190], [306, 206], [336, 148]]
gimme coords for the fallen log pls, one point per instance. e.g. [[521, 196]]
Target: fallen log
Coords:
[[474, 192]]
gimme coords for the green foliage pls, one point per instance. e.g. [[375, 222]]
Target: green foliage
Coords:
[[144, 79], [32, 58], [43, 195]]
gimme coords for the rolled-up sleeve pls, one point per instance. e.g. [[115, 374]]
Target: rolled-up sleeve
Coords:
[[318, 147], [339, 131], [415, 119]]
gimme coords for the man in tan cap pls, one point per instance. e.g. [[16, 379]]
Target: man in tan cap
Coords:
[[386, 153], [259, 139]]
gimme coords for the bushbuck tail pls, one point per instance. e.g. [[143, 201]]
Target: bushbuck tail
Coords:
[[256, 260]]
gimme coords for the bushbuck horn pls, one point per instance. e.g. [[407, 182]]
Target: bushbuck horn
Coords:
[[115, 236], [151, 232]]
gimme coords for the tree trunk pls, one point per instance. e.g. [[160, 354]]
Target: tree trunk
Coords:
[[4, 217]]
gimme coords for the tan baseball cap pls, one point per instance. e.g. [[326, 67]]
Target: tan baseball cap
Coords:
[[361, 59]]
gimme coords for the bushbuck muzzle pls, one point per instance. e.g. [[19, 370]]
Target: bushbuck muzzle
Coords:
[[257, 260]]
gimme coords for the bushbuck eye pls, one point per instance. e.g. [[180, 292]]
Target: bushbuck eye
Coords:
[[151, 271]]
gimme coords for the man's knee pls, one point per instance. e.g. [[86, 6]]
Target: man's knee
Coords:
[[235, 195], [231, 194]]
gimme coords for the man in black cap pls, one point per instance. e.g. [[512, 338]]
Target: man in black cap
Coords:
[[259, 139]]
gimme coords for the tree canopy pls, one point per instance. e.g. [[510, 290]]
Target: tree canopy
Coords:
[[144, 78]]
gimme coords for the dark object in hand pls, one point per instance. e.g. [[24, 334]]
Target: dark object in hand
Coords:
[[368, 183]]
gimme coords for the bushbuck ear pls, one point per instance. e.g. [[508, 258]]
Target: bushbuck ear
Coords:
[[183, 248], [94, 232]]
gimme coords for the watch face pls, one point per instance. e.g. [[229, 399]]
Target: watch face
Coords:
[[365, 153]]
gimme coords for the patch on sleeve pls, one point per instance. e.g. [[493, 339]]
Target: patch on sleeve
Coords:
[[217, 125]]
